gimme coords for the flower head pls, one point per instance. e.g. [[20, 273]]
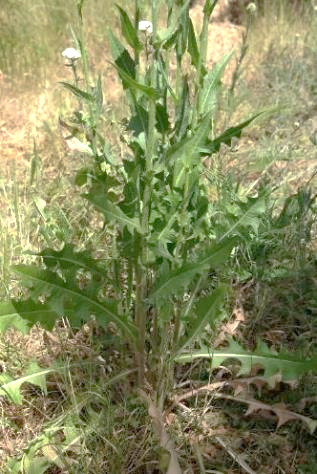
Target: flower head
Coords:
[[251, 8], [146, 26], [71, 54]]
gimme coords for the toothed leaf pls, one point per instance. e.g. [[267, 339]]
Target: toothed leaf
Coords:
[[68, 299], [172, 281], [290, 366], [11, 388], [226, 137], [112, 212], [22, 314]]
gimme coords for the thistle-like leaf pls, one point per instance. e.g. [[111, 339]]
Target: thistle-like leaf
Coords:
[[183, 111], [245, 215], [22, 314], [188, 149], [226, 137], [192, 44], [280, 410], [67, 298], [139, 122], [290, 366], [171, 282], [11, 388], [10, 317], [68, 258], [205, 313], [162, 68], [162, 122], [112, 212], [190, 146]]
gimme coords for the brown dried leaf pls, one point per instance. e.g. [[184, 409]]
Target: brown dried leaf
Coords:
[[280, 410], [307, 400], [165, 441], [241, 384], [231, 327]]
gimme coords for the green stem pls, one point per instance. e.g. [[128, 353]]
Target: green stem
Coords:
[[237, 71], [136, 25], [92, 118], [140, 321], [203, 46], [142, 263], [150, 145]]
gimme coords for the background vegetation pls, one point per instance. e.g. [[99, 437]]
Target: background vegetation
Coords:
[[81, 412]]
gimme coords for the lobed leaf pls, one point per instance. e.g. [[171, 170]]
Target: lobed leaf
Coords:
[[170, 283], [139, 122], [121, 56], [226, 137], [249, 214], [19, 313], [187, 150], [11, 388], [112, 211], [82, 304], [68, 257], [280, 410], [10, 317], [183, 111], [290, 366]]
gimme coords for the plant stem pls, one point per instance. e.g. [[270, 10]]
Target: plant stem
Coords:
[[136, 25], [140, 321], [142, 263], [203, 46], [91, 132]]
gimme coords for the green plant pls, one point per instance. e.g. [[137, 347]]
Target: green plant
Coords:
[[164, 272], [155, 204]]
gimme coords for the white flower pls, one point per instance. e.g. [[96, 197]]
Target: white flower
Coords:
[[146, 26], [251, 8], [71, 54]]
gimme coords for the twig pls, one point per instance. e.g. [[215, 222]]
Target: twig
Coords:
[[210, 387], [235, 456]]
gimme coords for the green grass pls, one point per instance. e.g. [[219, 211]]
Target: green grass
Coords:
[[42, 208]]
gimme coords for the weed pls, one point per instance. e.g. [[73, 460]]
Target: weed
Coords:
[[155, 262]]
